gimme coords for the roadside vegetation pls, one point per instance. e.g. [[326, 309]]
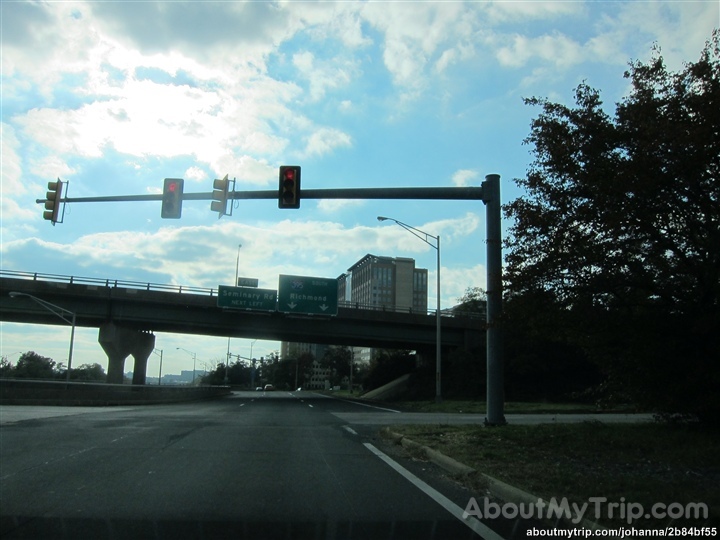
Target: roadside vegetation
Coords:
[[646, 463], [31, 365]]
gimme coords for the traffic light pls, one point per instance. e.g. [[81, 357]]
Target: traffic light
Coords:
[[221, 191], [289, 192], [52, 204], [172, 198]]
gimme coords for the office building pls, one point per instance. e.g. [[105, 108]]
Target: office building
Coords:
[[375, 282]]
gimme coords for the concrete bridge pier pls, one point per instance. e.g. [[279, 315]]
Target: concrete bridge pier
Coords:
[[118, 343], [143, 348]]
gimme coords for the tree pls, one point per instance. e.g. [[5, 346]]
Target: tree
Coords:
[[473, 302], [615, 246], [388, 365], [31, 365], [304, 368], [337, 361], [6, 368], [88, 372]]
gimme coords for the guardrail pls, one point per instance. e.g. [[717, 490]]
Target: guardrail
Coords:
[[58, 278], [163, 287]]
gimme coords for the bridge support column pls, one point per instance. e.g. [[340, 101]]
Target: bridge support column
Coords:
[[118, 343], [144, 345]]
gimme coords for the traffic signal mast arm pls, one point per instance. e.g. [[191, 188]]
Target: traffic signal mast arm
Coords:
[[435, 193]]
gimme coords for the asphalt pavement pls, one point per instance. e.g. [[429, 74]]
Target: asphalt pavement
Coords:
[[253, 465]]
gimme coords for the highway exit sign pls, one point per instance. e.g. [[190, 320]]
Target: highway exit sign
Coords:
[[306, 294], [246, 298], [247, 282]]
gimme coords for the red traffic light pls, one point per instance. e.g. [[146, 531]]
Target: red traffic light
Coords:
[[172, 198], [289, 189]]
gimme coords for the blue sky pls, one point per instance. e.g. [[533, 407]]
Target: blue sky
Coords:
[[116, 96]]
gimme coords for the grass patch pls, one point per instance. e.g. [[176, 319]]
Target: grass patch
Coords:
[[630, 463], [513, 407]]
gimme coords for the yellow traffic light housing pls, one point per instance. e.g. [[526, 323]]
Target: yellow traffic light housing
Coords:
[[53, 200], [220, 195]]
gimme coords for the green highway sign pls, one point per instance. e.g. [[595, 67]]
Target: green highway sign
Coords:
[[305, 294], [246, 298]]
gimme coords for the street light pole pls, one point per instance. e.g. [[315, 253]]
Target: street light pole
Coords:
[[237, 270], [59, 311], [194, 357], [161, 358], [237, 265], [422, 235]]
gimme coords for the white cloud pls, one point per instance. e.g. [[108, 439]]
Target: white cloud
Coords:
[[340, 21], [464, 177], [247, 170], [455, 281], [395, 238], [195, 174], [504, 12], [417, 33], [338, 205], [556, 49], [325, 140], [11, 181], [323, 76], [680, 28]]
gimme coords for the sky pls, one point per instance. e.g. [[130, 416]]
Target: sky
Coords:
[[115, 96]]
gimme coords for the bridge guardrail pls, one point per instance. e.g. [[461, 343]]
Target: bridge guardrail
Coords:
[[59, 278], [112, 283]]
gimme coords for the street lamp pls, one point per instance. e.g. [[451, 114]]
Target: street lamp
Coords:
[[161, 358], [237, 265], [227, 357], [194, 357], [422, 235], [60, 312]]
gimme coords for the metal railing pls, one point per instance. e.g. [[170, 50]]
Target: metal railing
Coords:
[[110, 283]]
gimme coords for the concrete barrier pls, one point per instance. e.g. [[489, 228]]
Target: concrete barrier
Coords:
[[34, 392], [389, 391]]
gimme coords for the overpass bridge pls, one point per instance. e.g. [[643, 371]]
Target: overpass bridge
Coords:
[[128, 313]]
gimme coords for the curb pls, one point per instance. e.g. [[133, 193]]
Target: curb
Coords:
[[497, 488]]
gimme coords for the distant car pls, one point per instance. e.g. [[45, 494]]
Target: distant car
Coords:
[[269, 388], [258, 389], [299, 389]]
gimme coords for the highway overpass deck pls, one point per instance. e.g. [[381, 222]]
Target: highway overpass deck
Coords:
[[192, 310]]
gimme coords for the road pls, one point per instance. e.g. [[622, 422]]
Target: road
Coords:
[[255, 465]]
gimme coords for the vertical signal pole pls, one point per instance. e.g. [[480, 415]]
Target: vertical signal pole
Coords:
[[495, 378]]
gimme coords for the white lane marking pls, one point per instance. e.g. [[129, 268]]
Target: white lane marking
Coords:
[[350, 430], [309, 405], [472, 522]]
